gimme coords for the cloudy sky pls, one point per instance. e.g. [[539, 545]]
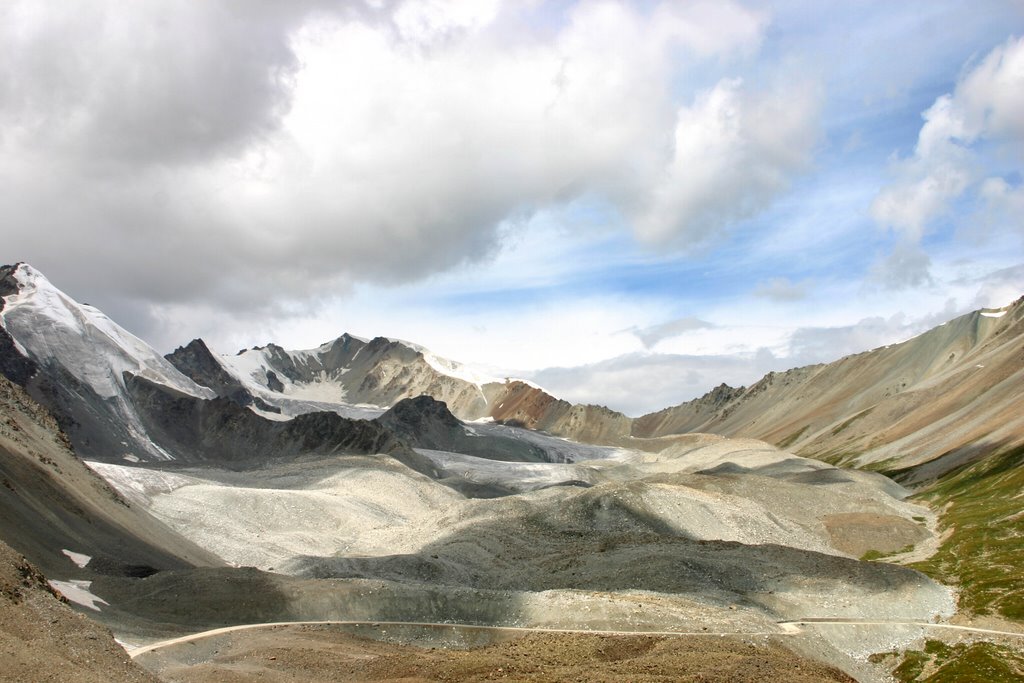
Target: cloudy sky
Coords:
[[629, 202]]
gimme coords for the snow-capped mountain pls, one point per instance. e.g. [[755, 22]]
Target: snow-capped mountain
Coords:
[[118, 399], [892, 404], [81, 359], [355, 376], [47, 324]]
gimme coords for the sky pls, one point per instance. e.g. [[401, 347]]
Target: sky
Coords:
[[628, 203]]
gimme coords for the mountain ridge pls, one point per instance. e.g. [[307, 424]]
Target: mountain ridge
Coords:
[[881, 409]]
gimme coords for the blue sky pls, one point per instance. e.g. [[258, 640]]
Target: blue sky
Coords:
[[628, 202]]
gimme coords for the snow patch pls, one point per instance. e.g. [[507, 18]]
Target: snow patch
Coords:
[[77, 591], [993, 314], [251, 368], [78, 558], [456, 370]]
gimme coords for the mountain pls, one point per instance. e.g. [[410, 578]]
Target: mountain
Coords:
[[72, 358], [52, 504], [919, 409], [924, 407], [350, 370]]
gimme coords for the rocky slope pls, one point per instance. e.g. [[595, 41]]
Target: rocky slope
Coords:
[[43, 640], [919, 409], [427, 423], [51, 502], [926, 406], [223, 433]]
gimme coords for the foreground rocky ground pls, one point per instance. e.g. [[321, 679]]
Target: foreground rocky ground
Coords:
[[42, 639], [323, 655]]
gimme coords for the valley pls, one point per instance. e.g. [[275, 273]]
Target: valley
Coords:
[[409, 517]]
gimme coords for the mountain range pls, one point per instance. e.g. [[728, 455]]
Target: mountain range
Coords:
[[375, 462]]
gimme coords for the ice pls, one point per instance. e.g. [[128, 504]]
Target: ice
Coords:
[[47, 324], [519, 476], [138, 484], [251, 366]]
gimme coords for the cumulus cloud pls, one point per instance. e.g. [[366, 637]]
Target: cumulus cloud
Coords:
[[906, 266], [303, 148], [144, 83], [987, 106], [734, 150]]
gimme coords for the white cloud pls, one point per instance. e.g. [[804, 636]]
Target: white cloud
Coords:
[[1002, 207], [987, 106], [992, 95], [734, 150], [307, 147], [998, 288], [708, 27], [636, 384], [428, 21], [907, 266], [652, 335]]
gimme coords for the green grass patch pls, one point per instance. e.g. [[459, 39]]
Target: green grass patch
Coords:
[[882, 466], [838, 457], [873, 555], [960, 663], [983, 505], [792, 438], [853, 419]]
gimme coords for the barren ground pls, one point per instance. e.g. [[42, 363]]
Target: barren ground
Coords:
[[320, 654]]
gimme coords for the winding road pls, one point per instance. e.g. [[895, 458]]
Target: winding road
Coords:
[[787, 628]]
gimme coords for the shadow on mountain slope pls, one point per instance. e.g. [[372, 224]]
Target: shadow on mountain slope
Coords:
[[221, 432], [42, 639], [50, 501], [427, 423]]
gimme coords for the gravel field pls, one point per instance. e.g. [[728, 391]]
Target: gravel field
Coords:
[[711, 535]]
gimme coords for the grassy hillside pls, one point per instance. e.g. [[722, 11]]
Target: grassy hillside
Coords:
[[983, 513]]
